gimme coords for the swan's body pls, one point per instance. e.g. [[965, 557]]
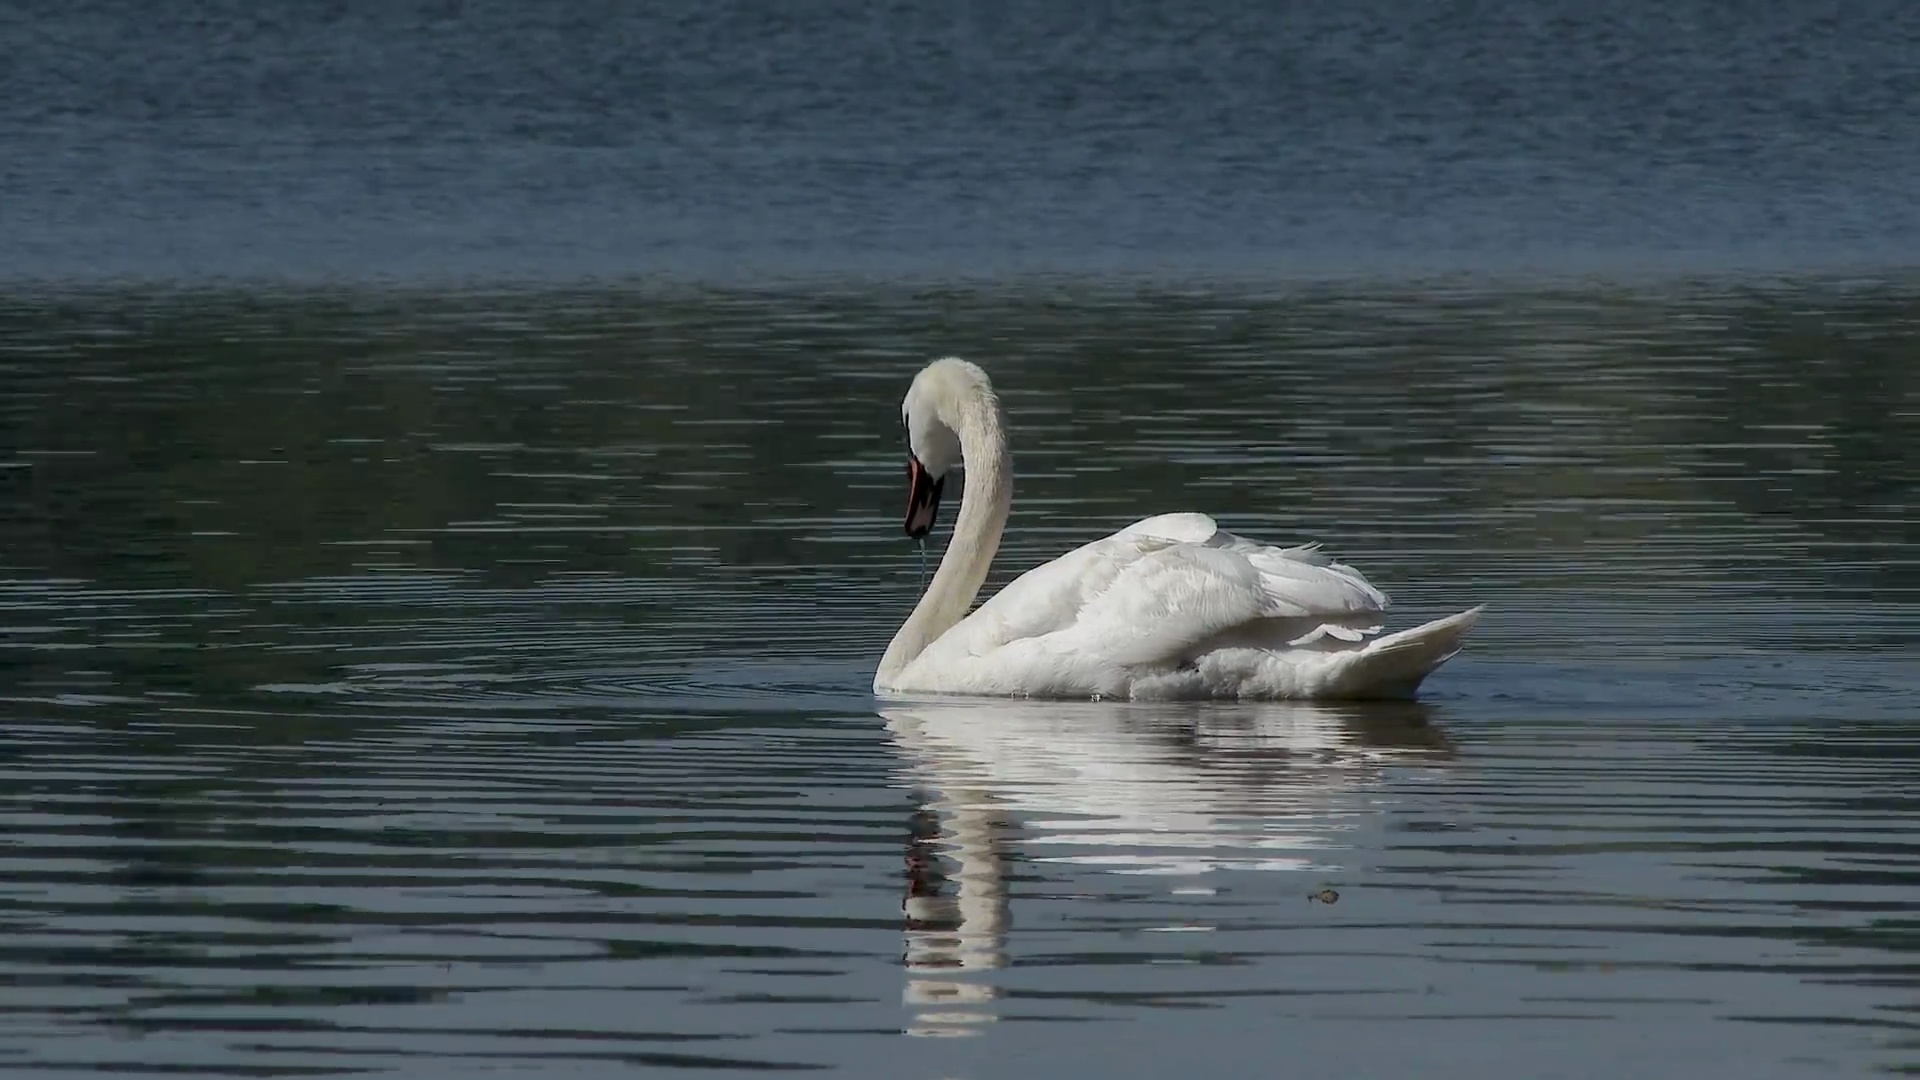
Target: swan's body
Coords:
[[1168, 607]]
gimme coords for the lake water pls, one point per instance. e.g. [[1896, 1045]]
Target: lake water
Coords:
[[493, 139], [416, 683], [452, 479]]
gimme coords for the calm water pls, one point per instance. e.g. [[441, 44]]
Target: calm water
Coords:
[[410, 682], [451, 477], [722, 138]]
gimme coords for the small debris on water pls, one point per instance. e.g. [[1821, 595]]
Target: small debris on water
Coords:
[[1325, 896]]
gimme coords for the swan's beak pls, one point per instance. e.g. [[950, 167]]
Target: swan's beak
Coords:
[[923, 497]]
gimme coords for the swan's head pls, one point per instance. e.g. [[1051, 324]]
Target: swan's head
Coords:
[[941, 394]]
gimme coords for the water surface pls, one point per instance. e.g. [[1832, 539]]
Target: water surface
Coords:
[[490, 139], [399, 681], [451, 476]]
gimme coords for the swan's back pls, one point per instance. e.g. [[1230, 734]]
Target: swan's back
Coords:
[[1153, 602], [1169, 606]]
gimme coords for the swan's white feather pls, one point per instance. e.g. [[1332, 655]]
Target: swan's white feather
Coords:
[[1162, 604], [1170, 606]]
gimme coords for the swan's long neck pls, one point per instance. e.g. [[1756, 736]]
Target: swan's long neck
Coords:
[[984, 506]]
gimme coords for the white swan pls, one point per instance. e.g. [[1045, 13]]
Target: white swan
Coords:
[[1168, 607]]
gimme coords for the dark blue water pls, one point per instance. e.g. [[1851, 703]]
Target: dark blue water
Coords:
[[731, 140], [449, 493], [407, 683]]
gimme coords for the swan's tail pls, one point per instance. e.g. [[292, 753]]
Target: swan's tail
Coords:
[[1395, 665]]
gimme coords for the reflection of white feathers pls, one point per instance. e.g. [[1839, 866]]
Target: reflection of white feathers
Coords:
[[1143, 789], [1123, 787]]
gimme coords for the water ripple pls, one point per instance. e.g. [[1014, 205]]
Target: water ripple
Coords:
[[477, 680]]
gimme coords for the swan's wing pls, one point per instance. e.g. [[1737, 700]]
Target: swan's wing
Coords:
[[1297, 581], [1166, 584], [1049, 597], [1187, 528], [1305, 584], [1168, 604]]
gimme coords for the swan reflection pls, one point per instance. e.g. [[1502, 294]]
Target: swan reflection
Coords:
[[1180, 791]]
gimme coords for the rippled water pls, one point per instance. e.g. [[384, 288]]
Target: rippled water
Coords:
[[490, 139], [425, 683]]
